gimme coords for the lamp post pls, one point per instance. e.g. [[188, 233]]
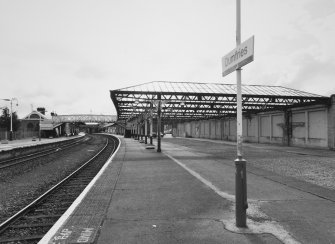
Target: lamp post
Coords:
[[241, 203], [39, 129], [11, 114]]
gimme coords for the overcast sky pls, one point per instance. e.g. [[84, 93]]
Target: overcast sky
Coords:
[[66, 55]]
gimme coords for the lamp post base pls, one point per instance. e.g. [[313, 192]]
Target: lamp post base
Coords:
[[241, 203]]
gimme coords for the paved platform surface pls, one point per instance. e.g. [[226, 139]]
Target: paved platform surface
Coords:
[[186, 195]]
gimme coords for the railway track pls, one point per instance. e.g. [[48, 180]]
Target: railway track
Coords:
[[25, 158], [31, 223]]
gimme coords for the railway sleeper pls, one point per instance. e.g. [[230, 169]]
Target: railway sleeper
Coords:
[[67, 194], [56, 206], [79, 184], [29, 228], [50, 211], [81, 178], [23, 226], [61, 200], [20, 239], [75, 186], [29, 217], [67, 191], [64, 197]]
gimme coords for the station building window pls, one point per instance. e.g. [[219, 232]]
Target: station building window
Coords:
[[30, 126]]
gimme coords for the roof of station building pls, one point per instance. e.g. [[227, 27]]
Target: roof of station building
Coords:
[[192, 100], [35, 115]]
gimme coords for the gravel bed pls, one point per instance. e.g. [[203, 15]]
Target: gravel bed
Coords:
[[316, 170], [21, 184]]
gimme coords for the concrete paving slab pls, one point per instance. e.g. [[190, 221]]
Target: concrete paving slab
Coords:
[[309, 221], [188, 231], [186, 195], [157, 201], [299, 206], [222, 174]]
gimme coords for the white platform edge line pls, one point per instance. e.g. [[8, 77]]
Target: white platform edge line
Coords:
[[47, 238], [272, 227]]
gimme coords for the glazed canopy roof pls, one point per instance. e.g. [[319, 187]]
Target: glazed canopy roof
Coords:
[[189, 100]]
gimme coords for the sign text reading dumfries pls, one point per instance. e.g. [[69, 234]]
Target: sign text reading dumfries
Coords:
[[240, 56]]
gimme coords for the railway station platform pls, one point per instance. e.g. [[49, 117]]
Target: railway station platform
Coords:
[[30, 142], [185, 194]]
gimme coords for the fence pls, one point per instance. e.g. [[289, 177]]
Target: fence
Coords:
[[17, 135]]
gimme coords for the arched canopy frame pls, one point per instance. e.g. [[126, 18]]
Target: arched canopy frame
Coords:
[[194, 101]]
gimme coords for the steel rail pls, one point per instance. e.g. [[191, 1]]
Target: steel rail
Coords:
[[7, 163], [9, 221]]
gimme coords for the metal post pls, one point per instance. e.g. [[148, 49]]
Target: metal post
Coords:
[[11, 120], [151, 122], [159, 126], [39, 130], [146, 131], [238, 81], [149, 119], [141, 132], [137, 131], [241, 204]]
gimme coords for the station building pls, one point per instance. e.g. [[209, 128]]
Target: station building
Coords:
[[36, 122], [271, 114]]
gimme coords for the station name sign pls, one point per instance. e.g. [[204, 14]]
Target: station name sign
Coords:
[[240, 56]]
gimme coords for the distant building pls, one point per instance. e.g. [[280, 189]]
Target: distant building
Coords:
[[30, 126]]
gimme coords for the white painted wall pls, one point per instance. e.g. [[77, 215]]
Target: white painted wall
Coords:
[[309, 127]]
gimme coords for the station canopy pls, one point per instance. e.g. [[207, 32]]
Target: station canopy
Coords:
[[192, 101]]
